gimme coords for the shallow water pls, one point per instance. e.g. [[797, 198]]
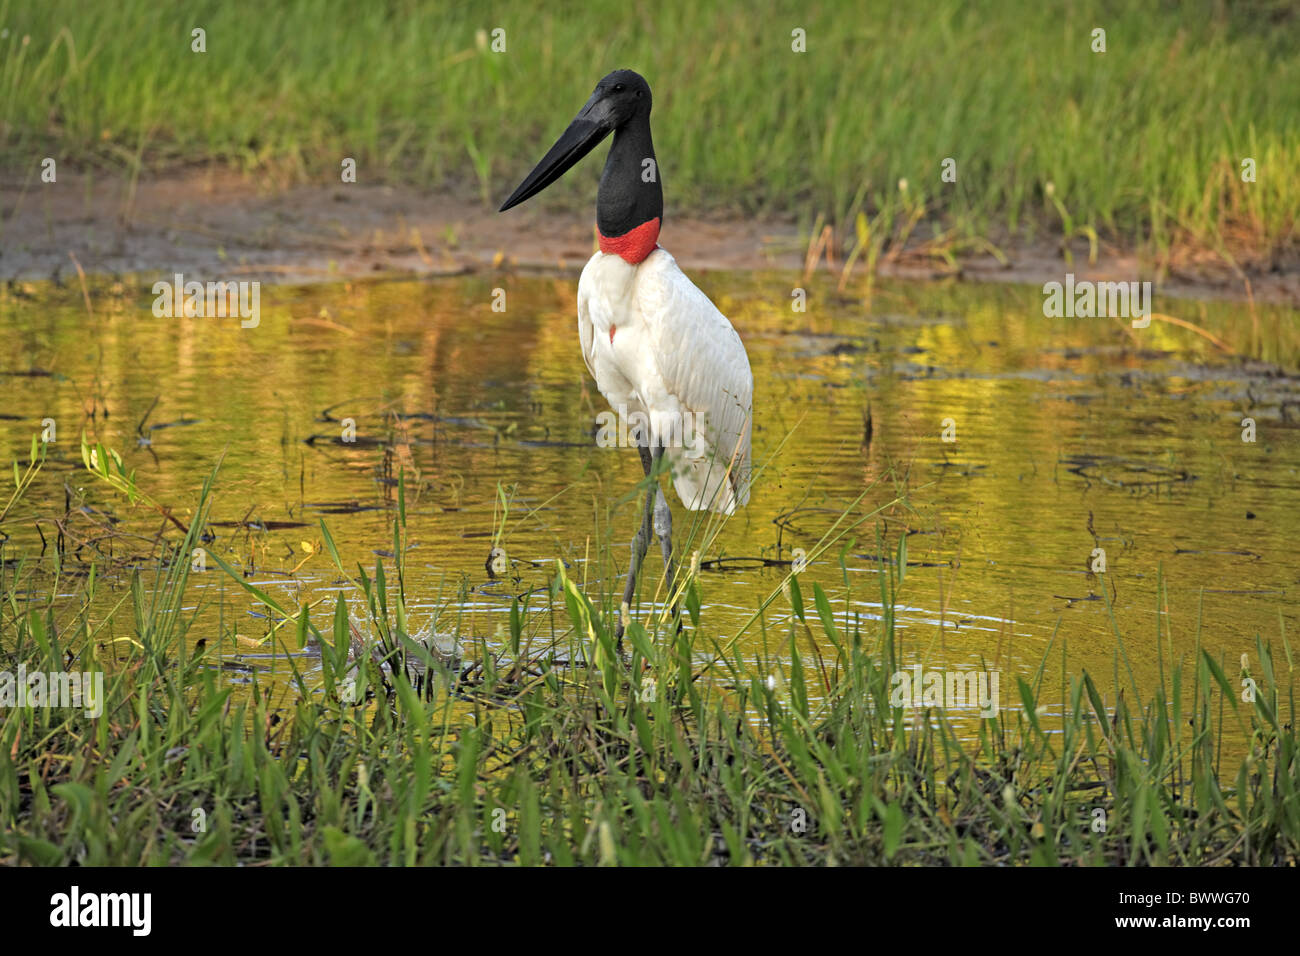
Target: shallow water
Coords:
[[1071, 436]]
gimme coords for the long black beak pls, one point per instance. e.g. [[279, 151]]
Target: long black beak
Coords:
[[584, 133]]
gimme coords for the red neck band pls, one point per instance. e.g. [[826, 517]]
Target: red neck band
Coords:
[[632, 246]]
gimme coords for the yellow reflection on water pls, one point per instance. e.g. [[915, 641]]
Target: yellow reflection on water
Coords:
[[1087, 459]]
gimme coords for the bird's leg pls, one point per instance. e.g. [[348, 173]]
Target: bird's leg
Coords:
[[663, 523], [639, 545]]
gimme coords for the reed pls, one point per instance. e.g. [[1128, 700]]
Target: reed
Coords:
[[523, 751]]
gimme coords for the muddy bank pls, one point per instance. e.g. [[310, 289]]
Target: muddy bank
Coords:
[[215, 223]]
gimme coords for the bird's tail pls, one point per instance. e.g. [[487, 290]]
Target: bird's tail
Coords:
[[710, 483]]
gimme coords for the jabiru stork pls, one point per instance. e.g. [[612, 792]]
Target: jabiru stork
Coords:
[[661, 353]]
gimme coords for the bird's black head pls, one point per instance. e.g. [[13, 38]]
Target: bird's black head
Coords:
[[619, 99], [622, 94]]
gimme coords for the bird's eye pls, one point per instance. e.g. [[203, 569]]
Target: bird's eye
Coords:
[[618, 87]]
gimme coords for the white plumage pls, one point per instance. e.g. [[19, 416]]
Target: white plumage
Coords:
[[657, 346]]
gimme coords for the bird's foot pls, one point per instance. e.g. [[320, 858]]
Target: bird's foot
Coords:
[[624, 617]]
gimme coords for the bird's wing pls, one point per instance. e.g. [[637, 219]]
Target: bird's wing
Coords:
[[701, 361]]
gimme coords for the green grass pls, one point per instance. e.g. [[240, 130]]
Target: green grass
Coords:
[[523, 759], [1142, 145]]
